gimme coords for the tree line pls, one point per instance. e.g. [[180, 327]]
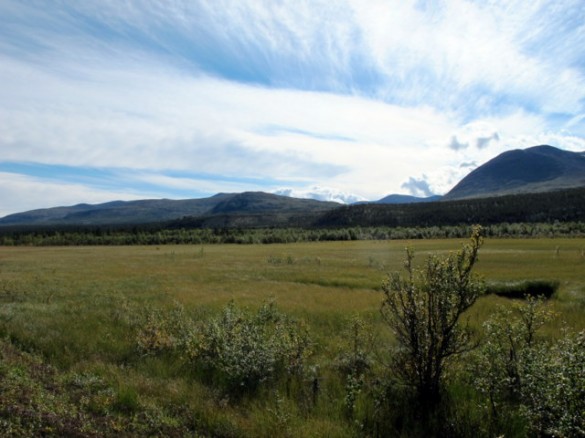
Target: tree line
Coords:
[[151, 235], [548, 207]]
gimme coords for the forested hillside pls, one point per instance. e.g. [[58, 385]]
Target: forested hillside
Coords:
[[563, 205]]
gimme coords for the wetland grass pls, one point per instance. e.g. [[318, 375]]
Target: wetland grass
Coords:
[[77, 310]]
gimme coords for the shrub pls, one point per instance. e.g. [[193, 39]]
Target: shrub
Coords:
[[240, 351], [355, 361], [423, 310], [164, 331], [519, 374]]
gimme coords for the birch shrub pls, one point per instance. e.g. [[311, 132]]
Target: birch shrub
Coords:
[[161, 332], [235, 350], [423, 308], [239, 350], [522, 375]]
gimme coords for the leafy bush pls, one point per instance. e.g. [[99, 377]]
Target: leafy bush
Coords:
[[240, 351], [423, 310], [281, 260], [355, 362], [553, 390], [521, 375], [162, 332]]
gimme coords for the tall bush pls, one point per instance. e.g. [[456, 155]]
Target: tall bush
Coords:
[[423, 308]]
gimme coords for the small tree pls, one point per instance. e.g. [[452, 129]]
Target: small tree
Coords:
[[423, 310]]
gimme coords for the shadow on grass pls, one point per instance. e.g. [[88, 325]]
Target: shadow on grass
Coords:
[[524, 288]]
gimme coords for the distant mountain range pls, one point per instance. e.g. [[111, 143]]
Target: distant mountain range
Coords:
[[160, 210], [539, 169], [406, 199]]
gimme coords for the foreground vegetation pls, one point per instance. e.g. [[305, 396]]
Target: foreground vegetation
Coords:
[[280, 340]]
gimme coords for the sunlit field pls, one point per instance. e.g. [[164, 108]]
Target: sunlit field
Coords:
[[78, 309]]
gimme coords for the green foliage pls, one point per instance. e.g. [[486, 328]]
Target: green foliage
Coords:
[[126, 400], [164, 332], [236, 350], [355, 362], [95, 344], [356, 358], [241, 351], [423, 310], [381, 230], [553, 389], [37, 399], [281, 260], [520, 374], [561, 206]]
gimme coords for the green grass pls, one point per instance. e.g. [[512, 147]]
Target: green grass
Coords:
[[76, 310]]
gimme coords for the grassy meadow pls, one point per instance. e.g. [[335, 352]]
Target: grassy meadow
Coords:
[[70, 316]]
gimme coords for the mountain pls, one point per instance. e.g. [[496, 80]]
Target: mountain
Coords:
[[260, 202], [159, 210], [536, 169], [405, 199], [566, 205]]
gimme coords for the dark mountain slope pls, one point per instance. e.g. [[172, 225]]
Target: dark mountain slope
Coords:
[[562, 205], [160, 210], [116, 212], [260, 202], [536, 169]]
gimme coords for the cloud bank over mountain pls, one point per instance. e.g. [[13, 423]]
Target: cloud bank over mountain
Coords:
[[322, 194]]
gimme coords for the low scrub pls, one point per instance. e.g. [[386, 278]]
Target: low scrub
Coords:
[[37, 399], [236, 350], [240, 351]]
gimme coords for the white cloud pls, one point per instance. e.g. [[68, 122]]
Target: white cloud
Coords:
[[216, 127], [21, 193], [457, 144], [366, 99], [206, 125], [476, 134], [482, 140], [321, 194], [192, 187], [445, 51], [418, 187]]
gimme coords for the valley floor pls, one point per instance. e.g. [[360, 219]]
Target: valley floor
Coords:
[[89, 333]]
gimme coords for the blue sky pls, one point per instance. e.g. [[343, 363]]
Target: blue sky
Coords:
[[347, 100]]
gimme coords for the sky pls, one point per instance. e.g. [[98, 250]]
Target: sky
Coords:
[[346, 100]]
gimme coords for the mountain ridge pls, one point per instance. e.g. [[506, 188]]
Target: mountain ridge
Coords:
[[159, 210], [533, 170]]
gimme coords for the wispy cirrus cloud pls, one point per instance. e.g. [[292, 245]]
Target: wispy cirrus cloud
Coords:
[[224, 96]]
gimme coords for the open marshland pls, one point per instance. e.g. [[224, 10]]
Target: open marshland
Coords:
[[73, 322]]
